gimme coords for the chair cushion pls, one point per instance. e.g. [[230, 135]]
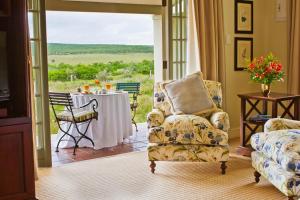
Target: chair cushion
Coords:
[[192, 153], [282, 146], [187, 129], [79, 115], [189, 95]]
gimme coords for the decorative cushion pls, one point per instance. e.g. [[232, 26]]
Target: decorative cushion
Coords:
[[192, 153], [162, 103], [287, 182], [189, 95], [282, 146], [79, 115], [187, 129]]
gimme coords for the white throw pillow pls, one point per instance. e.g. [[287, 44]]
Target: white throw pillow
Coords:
[[189, 95]]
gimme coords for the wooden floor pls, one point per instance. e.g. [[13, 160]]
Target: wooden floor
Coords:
[[137, 142]]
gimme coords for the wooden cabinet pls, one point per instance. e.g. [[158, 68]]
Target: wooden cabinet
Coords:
[[16, 142], [16, 162]]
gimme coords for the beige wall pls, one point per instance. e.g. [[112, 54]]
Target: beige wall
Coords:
[[269, 36]]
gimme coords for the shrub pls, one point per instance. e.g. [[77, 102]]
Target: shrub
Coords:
[[58, 75], [85, 72]]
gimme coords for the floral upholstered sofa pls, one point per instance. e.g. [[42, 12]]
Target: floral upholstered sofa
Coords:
[[188, 137], [277, 155]]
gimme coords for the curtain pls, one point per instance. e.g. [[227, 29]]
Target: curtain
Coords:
[[294, 48], [193, 59], [210, 33], [30, 73]]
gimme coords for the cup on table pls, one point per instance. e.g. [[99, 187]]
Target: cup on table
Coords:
[[108, 86]]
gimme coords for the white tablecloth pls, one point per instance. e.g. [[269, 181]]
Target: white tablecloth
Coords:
[[113, 124]]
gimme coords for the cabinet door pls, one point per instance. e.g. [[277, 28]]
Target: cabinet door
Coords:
[[16, 162]]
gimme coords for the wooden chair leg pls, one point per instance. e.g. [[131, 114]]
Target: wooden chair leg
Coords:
[[257, 176], [152, 166], [223, 167]]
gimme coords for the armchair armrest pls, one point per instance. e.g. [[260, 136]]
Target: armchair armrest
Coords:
[[281, 124], [155, 118], [220, 120]]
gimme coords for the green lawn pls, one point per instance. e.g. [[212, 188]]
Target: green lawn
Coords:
[[145, 99], [75, 59]]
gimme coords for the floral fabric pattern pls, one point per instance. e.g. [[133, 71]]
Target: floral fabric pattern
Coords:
[[192, 153], [192, 138], [220, 120], [287, 182], [282, 146], [162, 103], [280, 124], [215, 91], [187, 129], [155, 118]]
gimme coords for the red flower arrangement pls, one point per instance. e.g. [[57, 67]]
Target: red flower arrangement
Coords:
[[265, 70]]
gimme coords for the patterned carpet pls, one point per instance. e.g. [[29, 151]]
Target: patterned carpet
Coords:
[[127, 176]]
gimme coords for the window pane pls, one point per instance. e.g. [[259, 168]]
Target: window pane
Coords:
[[174, 51], [37, 81], [30, 24], [35, 53], [179, 37]]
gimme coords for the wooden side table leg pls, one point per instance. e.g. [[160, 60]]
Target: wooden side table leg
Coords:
[[274, 109], [242, 125], [296, 109]]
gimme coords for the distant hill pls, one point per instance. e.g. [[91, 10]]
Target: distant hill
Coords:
[[65, 49]]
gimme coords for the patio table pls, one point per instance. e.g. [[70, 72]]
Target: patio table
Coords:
[[113, 124]]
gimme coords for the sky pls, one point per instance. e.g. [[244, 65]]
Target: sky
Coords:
[[99, 28]]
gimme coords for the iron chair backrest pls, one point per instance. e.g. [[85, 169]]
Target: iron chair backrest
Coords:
[[131, 88], [60, 99]]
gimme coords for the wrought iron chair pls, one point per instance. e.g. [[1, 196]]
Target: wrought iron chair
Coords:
[[134, 90], [62, 103]]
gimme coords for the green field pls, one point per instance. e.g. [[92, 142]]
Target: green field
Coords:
[[65, 49], [74, 59], [116, 63]]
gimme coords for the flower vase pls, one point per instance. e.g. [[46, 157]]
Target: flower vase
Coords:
[[266, 89]]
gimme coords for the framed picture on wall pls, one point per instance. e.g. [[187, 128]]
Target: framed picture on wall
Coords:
[[243, 52], [243, 17]]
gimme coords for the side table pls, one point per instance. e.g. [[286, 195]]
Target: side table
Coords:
[[259, 104]]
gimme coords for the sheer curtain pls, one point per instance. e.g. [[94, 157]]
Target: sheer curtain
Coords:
[[208, 15], [193, 59], [294, 48]]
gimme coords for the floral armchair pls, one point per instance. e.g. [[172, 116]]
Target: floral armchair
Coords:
[[277, 155], [188, 137]]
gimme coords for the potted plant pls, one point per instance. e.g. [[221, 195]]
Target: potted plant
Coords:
[[265, 70]]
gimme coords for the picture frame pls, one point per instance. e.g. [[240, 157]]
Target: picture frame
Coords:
[[243, 16], [243, 51]]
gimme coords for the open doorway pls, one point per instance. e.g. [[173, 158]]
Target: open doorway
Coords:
[[109, 47]]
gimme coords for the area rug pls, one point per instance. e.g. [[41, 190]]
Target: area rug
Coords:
[[127, 176]]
